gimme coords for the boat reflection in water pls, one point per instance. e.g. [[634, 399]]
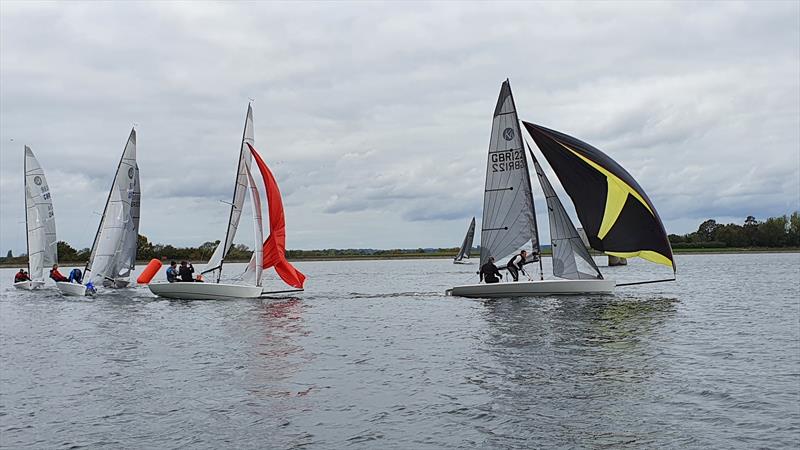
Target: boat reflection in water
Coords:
[[564, 365]]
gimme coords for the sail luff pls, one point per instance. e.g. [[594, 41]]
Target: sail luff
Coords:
[[508, 211]]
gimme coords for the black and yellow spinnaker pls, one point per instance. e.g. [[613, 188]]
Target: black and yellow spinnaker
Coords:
[[615, 212]]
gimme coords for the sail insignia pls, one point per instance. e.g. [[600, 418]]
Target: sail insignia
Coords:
[[618, 217]]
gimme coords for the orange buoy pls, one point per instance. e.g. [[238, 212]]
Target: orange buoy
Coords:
[[149, 272]]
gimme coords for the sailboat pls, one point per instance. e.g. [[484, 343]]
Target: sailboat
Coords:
[[466, 246], [269, 253], [113, 255], [40, 223], [617, 216]]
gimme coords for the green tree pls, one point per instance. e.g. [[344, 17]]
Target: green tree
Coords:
[[793, 236], [772, 232], [707, 230], [66, 252]]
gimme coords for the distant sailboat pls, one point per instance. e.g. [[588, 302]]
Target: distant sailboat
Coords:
[[466, 246], [40, 223], [616, 214], [113, 254], [266, 254]]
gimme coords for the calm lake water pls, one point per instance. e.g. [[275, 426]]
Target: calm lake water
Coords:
[[373, 355]]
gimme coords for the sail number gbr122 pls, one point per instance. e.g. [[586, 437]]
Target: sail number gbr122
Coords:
[[504, 161]]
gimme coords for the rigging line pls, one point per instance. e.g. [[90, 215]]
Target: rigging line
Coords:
[[646, 282]]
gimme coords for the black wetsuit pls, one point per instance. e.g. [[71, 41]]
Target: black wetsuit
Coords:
[[490, 273], [514, 266], [186, 273]]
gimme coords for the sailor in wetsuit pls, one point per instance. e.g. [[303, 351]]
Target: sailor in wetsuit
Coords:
[[489, 272], [515, 265], [56, 275], [186, 271], [172, 272], [21, 276]]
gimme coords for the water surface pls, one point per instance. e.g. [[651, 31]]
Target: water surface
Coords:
[[373, 355]]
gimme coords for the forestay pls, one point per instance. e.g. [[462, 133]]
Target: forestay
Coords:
[[40, 219], [508, 215], [466, 246], [571, 259], [214, 265], [109, 259]]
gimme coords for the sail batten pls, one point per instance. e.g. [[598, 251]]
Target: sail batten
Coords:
[[618, 217]]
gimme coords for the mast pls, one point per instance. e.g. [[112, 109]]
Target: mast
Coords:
[[235, 187], [536, 225], [25, 184]]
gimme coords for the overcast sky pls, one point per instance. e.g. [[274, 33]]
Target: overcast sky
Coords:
[[375, 118]]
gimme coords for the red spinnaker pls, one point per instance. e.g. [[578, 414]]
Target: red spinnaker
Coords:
[[275, 245]]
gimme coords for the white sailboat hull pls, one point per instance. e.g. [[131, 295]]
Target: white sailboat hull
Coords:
[[461, 262], [204, 291], [534, 288], [29, 285], [71, 289]]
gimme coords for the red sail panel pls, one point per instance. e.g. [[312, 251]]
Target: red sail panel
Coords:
[[275, 245]]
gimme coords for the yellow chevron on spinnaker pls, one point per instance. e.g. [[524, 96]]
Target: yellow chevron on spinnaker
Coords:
[[618, 192], [649, 255]]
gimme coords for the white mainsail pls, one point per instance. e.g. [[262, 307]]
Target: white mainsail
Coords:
[[571, 259], [509, 221], [109, 259], [39, 218], [214, 265], [128, 257], [466, 246]]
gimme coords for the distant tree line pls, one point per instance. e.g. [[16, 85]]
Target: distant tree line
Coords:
[[775, 232], [783, 231]]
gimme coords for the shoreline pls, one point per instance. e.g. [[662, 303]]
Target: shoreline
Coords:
[[699, 251]]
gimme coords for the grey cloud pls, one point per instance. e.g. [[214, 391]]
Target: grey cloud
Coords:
[[375, 117]]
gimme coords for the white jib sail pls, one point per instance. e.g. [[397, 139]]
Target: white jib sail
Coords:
[[108, 251], [214, 265], [508, 215], [571, 259], [255, 266], [40, 219]]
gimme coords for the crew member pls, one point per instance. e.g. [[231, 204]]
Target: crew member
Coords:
[[75, 275], [56, 275], [172, 272], [489, 272], [21, 276], [515, 265], [186, 271]]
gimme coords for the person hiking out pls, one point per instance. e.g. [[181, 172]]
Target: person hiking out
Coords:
[[75, 275], [515, 265], [21, 276], [56, 275], [489, 272]]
